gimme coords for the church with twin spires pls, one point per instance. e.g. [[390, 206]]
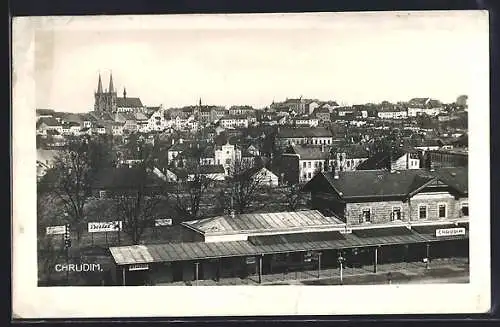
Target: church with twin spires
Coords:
[[107, 100]]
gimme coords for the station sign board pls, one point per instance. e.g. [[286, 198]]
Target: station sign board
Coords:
[[250, 260], [110, 226], [139, 266], [450, 232], [56, 230], [163, 222], [346, 231]]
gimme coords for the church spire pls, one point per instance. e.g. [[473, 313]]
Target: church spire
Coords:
[[111, 87], [99, 85], [124, 93]]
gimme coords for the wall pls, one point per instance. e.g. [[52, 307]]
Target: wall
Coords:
[[380, 211], [161, 273], [432, 200], [325, 202], [289, 167]]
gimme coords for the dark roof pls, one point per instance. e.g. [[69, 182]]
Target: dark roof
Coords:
[[384, 184], [49, 121], [45, 111], [303, 132], [356, 151], [128, 102], [203, 169], [124, 178], [321, 110], [310, 152], [380, 160]]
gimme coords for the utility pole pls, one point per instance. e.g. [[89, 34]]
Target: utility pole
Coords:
[[67, 245]]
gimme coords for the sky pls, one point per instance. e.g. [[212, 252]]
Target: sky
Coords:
[[254, 60]]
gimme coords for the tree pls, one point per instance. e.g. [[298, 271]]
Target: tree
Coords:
[[70, 180], [245, 183], [293, 196], [137, 206], [190, 190], [48, 253]]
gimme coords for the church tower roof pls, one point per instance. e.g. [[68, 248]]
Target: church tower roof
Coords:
[[111, 86], [99, 84]]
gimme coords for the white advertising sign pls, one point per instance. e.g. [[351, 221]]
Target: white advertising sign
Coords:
[[110, 226], [163, 222], [55, 230], [346, 231], [138, 267], [450, 232]]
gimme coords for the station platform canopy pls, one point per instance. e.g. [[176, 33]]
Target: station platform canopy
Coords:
[[287, 243]]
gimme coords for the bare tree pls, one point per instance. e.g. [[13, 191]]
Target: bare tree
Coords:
[[70, 180], [190, 191], [137, 206], [245, 184], [293, 196], [48, 252]]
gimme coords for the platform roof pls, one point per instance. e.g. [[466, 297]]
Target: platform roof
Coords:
[[265, 222]]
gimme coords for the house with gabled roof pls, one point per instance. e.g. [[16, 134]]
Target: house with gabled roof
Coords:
[[382, 196]]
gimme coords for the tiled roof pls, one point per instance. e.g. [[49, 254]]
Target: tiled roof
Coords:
[[128, 102], [384, 184], [380, 160]]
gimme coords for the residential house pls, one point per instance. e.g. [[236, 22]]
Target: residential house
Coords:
[[392, 112], [290, 136], [157, 121], [263, 176], [124, 180], [299, 163], [241, 111], [311, 106], [398, 159], [305, 121], [48, 124], [142, 121], [71, 128], [322, 114], [45, 161], [392, 197], [234, 121], [117, 128], [227, 154], [217, 113], [332, 106], [424, 106]]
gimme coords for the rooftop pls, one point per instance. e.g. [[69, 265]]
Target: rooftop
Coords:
[[303, 132], [263, 222]]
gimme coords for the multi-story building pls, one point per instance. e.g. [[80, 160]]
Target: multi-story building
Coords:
[[392, 113], [424, 106], [291, 136], [108, 101], [234, 121]]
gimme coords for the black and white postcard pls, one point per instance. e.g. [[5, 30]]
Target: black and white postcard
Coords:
[[251, 164]]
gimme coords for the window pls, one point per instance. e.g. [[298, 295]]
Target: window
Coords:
[[304, 176], [396, 213], [465, 209], [366, 216], [422, 212], [315, 164], [309, 175], [442, 210], [308, 164], [304, 164], [102, 194]]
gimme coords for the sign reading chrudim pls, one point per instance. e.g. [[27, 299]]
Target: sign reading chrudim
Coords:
[[136, 267], [450, 232], [110, 226]]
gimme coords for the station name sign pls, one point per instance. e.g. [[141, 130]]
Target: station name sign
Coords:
[[139, 266], [346, 231], [56, 230], [450, 232], [163, 222], [110, 226]]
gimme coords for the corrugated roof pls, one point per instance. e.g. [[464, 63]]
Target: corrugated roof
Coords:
[[281, 221], [125, 255], [256, 245]]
